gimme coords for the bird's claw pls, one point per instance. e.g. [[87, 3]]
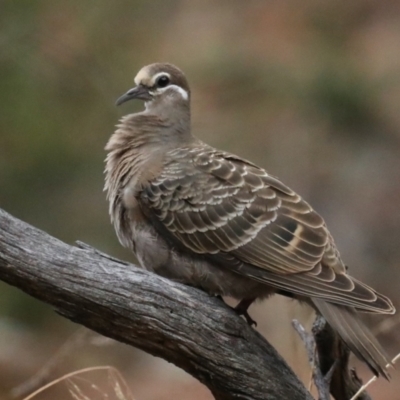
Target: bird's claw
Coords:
[[241, 309], [249, 320]]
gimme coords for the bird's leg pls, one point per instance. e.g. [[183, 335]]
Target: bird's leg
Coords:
[[242, 307]]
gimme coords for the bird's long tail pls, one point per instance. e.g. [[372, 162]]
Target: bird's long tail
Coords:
[[346, 322]]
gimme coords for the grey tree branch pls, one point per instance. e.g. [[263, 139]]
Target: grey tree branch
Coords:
[[185, 326]]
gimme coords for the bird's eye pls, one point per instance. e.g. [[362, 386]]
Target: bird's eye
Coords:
[[162, 81]]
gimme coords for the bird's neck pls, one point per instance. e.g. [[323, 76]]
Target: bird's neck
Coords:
[[138, 146], [151, 128]]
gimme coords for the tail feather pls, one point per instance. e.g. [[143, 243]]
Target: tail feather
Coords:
[[346, 322]]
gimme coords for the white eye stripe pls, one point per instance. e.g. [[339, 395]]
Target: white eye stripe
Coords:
[[184, 94]]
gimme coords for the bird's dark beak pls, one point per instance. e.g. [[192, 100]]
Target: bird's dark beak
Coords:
[[140, 92]]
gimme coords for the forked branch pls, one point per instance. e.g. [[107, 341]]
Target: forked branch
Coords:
[[180, 324]]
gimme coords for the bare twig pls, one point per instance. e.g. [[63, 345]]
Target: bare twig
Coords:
[[68, 378], [76, 340], [373, 379], [81, 337], [332, 351], [321, 382]]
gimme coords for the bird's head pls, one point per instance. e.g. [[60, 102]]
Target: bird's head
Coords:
[[159, 83]]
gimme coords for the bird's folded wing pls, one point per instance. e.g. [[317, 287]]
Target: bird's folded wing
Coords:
[[219, 205], [215, 203]]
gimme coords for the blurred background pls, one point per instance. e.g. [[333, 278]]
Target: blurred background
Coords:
[[310, 91]]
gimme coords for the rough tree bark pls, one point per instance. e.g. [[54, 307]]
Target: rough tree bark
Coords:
[[185, 326]]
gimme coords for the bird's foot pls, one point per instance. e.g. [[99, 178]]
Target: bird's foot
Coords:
[[247, 317], [241, 309]]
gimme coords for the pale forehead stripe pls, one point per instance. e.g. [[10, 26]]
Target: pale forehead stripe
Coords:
[[145, 78], [142, 76]]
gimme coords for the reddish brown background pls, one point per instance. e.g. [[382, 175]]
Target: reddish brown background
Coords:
[[309, 90]]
